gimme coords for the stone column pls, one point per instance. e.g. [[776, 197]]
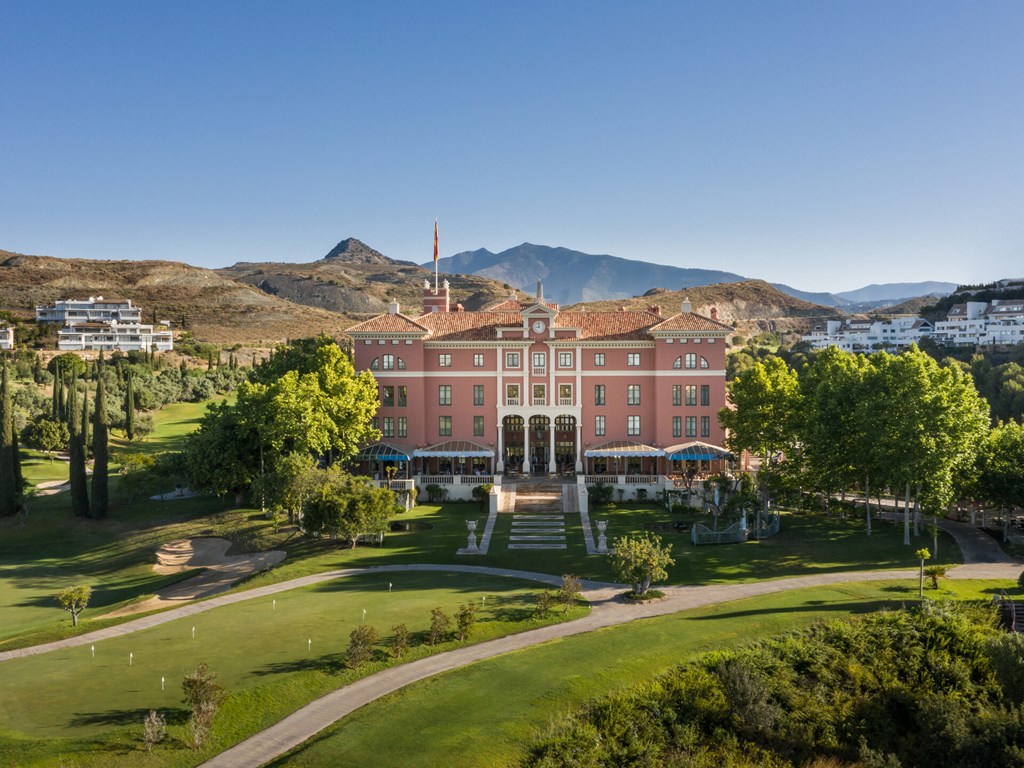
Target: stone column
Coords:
[[526, 446], [552, 464], [579, 444], [500, 466]]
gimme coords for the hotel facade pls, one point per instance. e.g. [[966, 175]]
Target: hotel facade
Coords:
[[526, 388]]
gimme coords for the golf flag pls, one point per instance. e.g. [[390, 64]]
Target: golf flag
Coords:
[[435, 241]]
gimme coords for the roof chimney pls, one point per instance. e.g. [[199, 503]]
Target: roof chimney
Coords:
[[655, 310], [459, 308], [714, 313], [687, 306], [393, 307]]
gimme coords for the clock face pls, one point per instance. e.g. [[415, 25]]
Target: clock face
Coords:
[[538, 326]]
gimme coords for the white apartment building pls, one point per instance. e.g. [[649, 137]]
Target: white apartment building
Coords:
[[6, 338], [853, 335], [1000, 321], [114, 336], [95, 309]]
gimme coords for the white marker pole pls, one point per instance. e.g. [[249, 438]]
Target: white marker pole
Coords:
[[364, 614], [275, 604], [389, 586], [193, 633], [93, 651], [309, 644], [131, 659], [161, 682]]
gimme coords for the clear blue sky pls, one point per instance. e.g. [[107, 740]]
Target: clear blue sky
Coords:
[[822, 144]]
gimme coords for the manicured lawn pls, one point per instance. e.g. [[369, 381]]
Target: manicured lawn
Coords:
[[170, 426], [458, 719], [92, 706]]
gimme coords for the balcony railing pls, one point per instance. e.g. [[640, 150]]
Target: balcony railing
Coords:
[[511, 401], [540, 401], [540, 370], [565, 401]]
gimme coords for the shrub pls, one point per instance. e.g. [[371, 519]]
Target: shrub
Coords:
[[360, 645], [545, 600], [482, 494], [399, 640], [436, 493], [439, 624], [465, 618], [569, 591], [154, 729], [600, 493]]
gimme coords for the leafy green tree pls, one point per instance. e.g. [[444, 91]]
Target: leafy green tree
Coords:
[[570, 591], [79, 482], [137, 473], [9, 490], [439, 624], [545, 601], [203, 695], [999, 476], [360, 645], [222, 456], [345, 507], [399, 640], [465, 619], [74, 600], [101, 456], [641, 561], [46, 434], [68, 365], [922, 555]]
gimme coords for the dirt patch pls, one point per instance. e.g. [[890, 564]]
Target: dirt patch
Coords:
[[221, 571]]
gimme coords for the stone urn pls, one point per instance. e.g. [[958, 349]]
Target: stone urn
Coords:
[[602, 539]]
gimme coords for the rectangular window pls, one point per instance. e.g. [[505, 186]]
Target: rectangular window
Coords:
[[705, 426], [540, 360], [444, 394], [705, 394], [478, 394], [387, 428], [633, 394], [677, 394], [403, 397], [633, 359], [691, 394], [599, 359], [539, 394], [387, 397], [633, 426], [444, 361], [478, 426], [599, 394], [565, 359], [511, 359], [677, 426], [444, 426], [691, 360], [512, 394], [403, 426], [599, 425], [478, 360], [691, 426], [387, 362]]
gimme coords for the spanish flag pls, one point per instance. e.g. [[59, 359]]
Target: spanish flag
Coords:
[[435, 241]]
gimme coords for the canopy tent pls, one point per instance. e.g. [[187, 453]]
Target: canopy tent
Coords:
[[383, 452], [622, 448], [696, 451], [455, 449]]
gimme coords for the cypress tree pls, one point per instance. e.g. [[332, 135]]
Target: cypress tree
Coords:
[[129, 408], [209, 361], [19, 478], [79, 482], [58, 395], [8, 489], [85, 423], [183, 370], [101, 460]]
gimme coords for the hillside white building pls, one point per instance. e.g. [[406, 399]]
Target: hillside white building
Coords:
[[1000, 321], [114, 336], [854, 335], [95, 309], [6, 338]]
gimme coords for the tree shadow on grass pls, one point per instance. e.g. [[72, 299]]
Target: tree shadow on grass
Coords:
[[117, 717], [815, 606], [328, 663]]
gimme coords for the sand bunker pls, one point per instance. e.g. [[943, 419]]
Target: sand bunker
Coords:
[[221, 571]]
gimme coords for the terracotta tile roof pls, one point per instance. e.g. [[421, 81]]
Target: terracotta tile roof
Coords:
[[466, 326], [388, 323], [515, 305], [691, 321], [612, 326]]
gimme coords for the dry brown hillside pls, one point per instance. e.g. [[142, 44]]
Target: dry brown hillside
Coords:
[[212, 307], [355, 279], [753, 306]]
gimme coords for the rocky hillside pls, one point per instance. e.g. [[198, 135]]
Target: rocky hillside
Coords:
[[355, 279], [752, 306], [211, 306]]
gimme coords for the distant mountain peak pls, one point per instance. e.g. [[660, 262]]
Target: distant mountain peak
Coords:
[[352, 250]]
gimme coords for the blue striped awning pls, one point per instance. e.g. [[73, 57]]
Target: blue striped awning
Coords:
[[454, 449], [622, 448], [382, 452], [695, 451]]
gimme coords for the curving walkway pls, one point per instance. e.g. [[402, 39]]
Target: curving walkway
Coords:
[[982, 559]]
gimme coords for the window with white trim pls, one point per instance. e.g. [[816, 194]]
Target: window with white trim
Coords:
[[387, 362], [387, 427], [691, 360], [444, 361], [633, 359], [599, 359], [633, 426], [565, 359], [478, 359], [633, 394], [511, 359], [599, 426], [403, 426]]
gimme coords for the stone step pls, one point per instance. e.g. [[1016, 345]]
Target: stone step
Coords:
[[537, 546], [537, 538]]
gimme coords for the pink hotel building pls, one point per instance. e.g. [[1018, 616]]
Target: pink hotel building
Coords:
[[525, 387]]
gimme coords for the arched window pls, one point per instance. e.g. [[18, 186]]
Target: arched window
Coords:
[[691, 360], [678, 363], [375, 364], [401, 364], [704, 362], [388, 362]]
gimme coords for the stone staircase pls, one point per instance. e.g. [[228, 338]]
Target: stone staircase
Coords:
[[538, 519]]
